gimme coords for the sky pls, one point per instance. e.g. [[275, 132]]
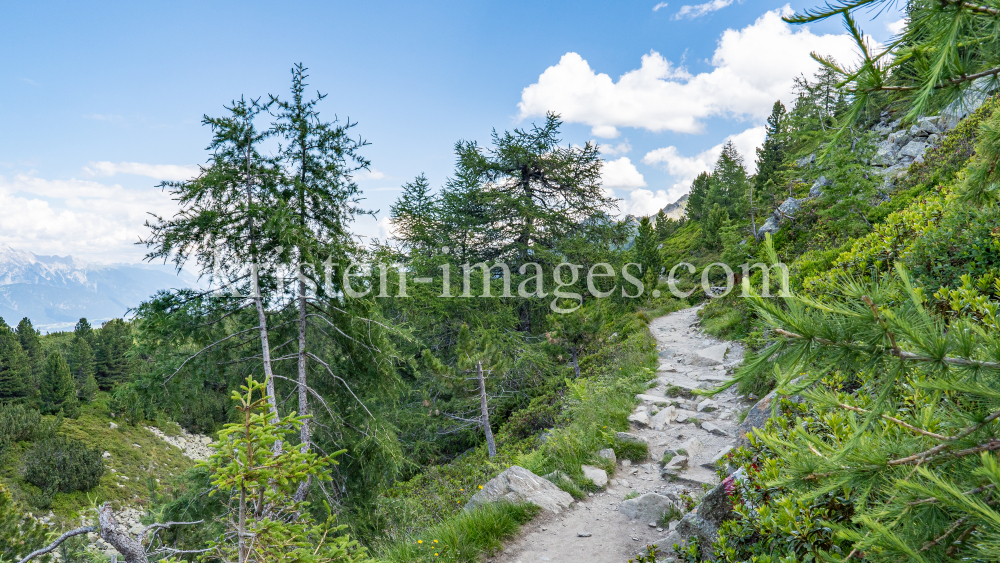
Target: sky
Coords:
[[99, 102]]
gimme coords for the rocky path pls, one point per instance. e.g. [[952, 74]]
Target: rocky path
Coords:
[[607, 528]]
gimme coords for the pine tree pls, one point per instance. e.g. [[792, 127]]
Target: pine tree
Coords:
[[83, 366], [114, 341], [16, 382], [717, 220], [85, 331], [58, 390], [31, 345], [647, 253], [696, 206], [770, 157], [729, 182], [413, 216]]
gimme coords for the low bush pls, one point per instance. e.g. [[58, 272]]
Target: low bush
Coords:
[[18, 423], [61, 464]]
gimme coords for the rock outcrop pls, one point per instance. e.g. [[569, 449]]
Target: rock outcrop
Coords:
[[517, 484]]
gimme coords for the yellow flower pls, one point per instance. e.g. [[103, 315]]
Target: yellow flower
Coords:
[[435, 541], [480, 486], [420, 541]]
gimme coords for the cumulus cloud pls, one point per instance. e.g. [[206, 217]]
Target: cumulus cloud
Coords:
[[699, 10], [645, 202], [622, 174], [621, 148], [89, 220], [370, 174], [754, 66], [897, 27], [158, 171], [660, 6], [684, 169]]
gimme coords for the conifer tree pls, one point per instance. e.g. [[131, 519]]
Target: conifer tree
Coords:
[[696, 205], [318, 161], [770, 156], [83, 367], [58, 390], [647, 253], [572, 332], [114, 341], [16, 382], [31, 345], [413, 216]]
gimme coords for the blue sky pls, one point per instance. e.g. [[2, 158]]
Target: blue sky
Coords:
[[100, 101]]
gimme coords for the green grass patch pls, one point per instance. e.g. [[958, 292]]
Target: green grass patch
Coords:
[[462, 538]]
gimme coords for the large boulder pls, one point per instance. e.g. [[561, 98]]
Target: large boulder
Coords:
[[817, 188], [770, 226], [716, 507], [789, 207], [650, 507], [756, 417], [517, 484], [913, 149]]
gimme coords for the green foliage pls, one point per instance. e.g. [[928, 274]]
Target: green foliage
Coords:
[[83, 367], [62, 464], [113, 344], [266, 523], [631, 450], [20, 534], [58, 389], [18, 423], [16, 382]]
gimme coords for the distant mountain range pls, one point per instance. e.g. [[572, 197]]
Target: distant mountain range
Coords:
[[56, 291]]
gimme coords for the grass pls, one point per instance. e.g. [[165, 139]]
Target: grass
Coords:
[[463, 537], [131, 471]]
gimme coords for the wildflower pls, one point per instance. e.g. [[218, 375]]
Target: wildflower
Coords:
[[480, 486], [420, 541]]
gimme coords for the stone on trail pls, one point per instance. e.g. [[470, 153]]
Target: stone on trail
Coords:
[[608, 453], [648, 507], [716, 507], [653, 399], [757, 416], [718, 457], [640, 419], [517, 484], [711, 356], [626, 437], [678, 462], [595, 474], [663, 418], [712, 428], [708, 405]]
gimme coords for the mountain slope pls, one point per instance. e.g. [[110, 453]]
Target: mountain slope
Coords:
[[55, 291]]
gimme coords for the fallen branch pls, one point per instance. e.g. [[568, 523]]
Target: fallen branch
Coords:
[[52, 546]]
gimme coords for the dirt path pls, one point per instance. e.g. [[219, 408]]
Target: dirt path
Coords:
[[594, 530]]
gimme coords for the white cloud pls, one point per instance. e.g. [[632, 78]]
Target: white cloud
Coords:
[[645, 202], [684, 169], [368, 228], [621, 173], [621, 148], [605, 131], [370, 174], [158, 171], [754, 67], [699, 10], [897, 27], [660, 6], [86, 219]]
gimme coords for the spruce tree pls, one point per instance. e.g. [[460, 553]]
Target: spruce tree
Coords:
[[769, 159], [16, 382], [696, 205], [114, 341], [58, 389], [647, 253], [85, 331], [31, 345], [83, 367]]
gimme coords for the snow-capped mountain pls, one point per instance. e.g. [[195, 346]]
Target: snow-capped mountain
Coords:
[[56, 291]]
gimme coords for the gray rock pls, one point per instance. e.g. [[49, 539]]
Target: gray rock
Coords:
[[817, 188], [927, 126], [712, 428], [806, 161], [913, 149], [653, 399], [595, 474], [608, 453], [717, 458], [517, 484], [666, 353], [626, 437], [106, 455], [677, 462], [665, 548], [113, 425], [886, 154], [708, 405], [789, 207], [663, 418], [583, 534], [711, 356], [770, 226], [934, 140], [648, 507], [640, 419], [899, 138], [716, 507]]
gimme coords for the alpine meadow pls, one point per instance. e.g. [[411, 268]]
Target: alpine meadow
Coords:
[[792, 355]]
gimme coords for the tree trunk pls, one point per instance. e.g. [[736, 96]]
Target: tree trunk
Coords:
[[576, 361], [305, 436], [121, 540], [753, 219], [485, 411], [265, 347], [241, 533]]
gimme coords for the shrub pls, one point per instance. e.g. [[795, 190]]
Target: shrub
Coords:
[[62, 464], [633, 450], [18, 423]]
